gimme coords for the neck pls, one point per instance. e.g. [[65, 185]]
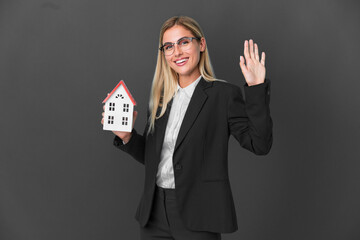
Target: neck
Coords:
[[185, 81]]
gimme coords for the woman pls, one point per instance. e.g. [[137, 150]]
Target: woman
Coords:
[[184, 146]]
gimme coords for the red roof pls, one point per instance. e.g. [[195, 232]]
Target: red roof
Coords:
[[126, 89]]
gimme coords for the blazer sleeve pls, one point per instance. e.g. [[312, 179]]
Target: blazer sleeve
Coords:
[[250, 121], [136, 145]]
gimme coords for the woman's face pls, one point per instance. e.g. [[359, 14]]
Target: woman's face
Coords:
[[189, 68]]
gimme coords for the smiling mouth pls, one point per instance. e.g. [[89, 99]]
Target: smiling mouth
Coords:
[[181, 62]]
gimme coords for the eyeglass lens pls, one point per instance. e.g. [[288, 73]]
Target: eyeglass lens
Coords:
[[183, 43]]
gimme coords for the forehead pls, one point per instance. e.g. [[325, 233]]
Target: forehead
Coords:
[[176, 32]]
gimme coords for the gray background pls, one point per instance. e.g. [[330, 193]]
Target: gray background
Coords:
[[61, 177]]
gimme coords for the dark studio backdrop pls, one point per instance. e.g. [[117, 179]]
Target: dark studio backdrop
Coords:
[[61, 177]]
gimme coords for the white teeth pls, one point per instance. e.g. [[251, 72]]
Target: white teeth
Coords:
[[182, 60]]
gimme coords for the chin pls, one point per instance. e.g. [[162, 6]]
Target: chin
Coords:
[[183, 72]]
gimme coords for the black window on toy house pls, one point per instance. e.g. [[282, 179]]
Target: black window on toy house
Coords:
[[126, 107], [112, 107], [120, 96], [111, 120], [125, 121]]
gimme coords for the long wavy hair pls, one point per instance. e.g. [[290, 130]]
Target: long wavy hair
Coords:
[[165, 78]]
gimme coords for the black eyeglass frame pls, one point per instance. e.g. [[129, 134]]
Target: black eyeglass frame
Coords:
[[177, 42]]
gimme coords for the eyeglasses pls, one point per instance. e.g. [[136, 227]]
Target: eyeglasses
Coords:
[[183, 43]]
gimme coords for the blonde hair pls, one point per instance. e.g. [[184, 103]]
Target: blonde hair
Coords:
[[165, 79]]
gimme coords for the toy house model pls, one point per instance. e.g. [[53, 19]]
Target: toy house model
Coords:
[[119, 107]]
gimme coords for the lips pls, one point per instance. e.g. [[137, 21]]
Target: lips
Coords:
[[181, 61]]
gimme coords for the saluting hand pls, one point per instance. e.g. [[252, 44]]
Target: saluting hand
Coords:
[[254, 70]]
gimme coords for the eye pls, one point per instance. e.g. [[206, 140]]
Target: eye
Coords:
[[167, 47], [184, 41]]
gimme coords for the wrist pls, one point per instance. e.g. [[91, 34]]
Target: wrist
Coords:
[[126, 139]]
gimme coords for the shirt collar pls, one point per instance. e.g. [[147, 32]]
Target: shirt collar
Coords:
[[189, 90]]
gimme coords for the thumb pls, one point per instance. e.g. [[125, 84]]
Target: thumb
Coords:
[[242, 65], [135, 115]]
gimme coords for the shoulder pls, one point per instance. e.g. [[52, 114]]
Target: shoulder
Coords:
[[222, 92], [224, 87]]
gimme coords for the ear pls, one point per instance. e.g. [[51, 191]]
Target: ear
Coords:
[[202, 44]]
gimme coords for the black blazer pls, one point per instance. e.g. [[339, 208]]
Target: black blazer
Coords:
[[216, 110]]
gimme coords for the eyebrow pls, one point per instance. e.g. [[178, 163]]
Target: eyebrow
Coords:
[[176, 40]]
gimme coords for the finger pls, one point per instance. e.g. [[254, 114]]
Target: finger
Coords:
[[246, 50], [263, 59], [256, 52], [102, 121], [135, 113], [102, 113], [252, 49], [242, 65], [104, 107]]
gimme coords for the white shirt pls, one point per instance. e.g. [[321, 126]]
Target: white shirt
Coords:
[[165, 173]]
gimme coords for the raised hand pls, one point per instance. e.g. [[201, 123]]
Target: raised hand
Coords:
[[254, 70]]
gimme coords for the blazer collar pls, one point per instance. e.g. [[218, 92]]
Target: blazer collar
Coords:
[[189, 90], [197, 101]]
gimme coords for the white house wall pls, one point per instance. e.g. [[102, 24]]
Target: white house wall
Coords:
[[116, 117]]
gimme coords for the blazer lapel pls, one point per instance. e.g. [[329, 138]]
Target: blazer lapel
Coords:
[[197, 101], [160, 127]]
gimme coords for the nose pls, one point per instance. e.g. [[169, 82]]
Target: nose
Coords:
[[177, 50]]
